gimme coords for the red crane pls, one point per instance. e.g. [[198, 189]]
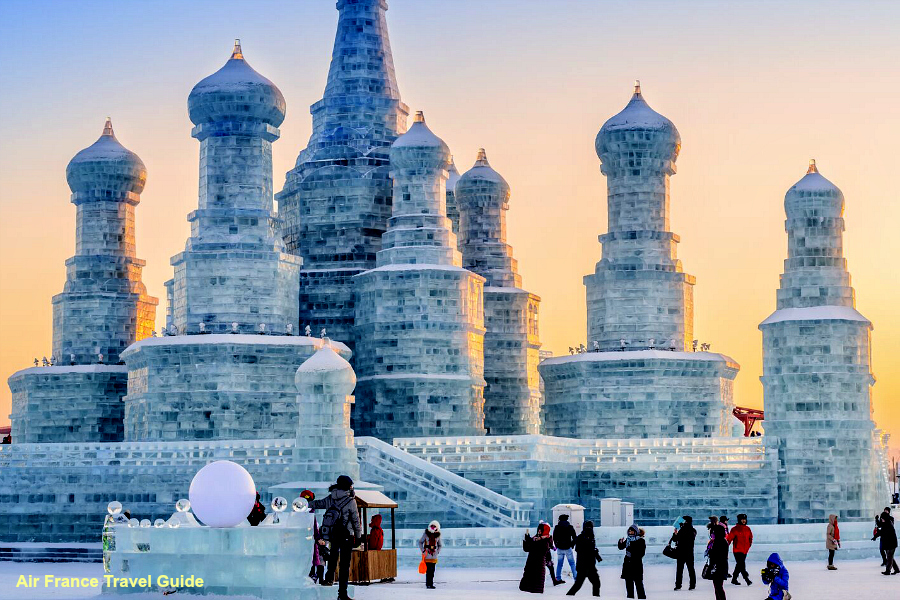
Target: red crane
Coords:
[[748, 416]]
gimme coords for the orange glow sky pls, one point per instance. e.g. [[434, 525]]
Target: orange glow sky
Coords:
[[756, 89]]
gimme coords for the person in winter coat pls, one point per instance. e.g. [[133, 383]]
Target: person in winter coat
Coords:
[[548, 560], [341, 527], [564, 538], [430, 546], [832, 540], [684, 549], [257, 513], [537, 548], [888, 536], [723, 521], [776, 575], [718, 560], [713, 521], [376, 534], [741, 538], [588, 557], [317, 571], [884, 562], [633, 564]]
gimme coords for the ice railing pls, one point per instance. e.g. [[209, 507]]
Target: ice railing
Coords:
[[136, 454], [587, 454], [476, 502]]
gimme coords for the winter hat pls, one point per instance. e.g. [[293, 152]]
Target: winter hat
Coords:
[[344, 483], [741, 517], [566, 518], [307, 495], [723, 519], [688, 520], [434, 527], [633, 527], [543, 529], [376, 521]]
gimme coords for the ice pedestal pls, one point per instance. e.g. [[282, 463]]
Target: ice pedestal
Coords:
[[265, 562]]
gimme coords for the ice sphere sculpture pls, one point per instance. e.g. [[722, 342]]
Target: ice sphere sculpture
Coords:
[[114, 507], [300, 504], [278, 504], [183, 505], [222, 494]]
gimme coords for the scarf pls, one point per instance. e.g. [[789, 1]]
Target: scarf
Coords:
[[631, 538]]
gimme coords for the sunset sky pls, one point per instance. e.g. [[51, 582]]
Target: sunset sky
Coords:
[[756, 89]]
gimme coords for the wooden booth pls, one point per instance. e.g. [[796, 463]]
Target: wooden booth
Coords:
[[367, 565]]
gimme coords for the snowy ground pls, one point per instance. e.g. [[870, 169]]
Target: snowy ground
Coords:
[[809, 581]]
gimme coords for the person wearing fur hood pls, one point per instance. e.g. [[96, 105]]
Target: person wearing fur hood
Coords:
[[430, 546]]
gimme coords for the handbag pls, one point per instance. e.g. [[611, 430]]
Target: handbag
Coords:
[[670, 551], [708, 571], [422, 567]]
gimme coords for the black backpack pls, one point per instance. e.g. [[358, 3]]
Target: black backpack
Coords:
[[333, 518]]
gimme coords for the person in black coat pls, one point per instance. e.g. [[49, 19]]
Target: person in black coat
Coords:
[[537, 547], [633, 565], [588, 557], [888, 536], [684, 552], [718, 560]]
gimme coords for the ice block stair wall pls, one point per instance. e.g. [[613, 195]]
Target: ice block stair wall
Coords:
[[429, 491], [502, 547]]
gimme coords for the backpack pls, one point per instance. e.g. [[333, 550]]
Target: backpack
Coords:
[[334, 517]]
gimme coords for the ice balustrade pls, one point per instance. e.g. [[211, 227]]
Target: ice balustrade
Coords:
[[410, 473]]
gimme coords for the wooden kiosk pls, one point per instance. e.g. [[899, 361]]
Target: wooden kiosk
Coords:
[[367, 565]]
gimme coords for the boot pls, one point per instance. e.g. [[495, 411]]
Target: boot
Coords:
[[832, 568], [747, 579], [735, 582]]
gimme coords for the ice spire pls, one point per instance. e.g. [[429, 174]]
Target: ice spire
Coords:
[[237, 54], [108, 128], [637, 87], [481, 160], [812, 167]]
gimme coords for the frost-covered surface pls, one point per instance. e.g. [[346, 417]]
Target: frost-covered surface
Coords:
[[237, 338], [809, 580], [61, 370], [639, 355], [815, 313]]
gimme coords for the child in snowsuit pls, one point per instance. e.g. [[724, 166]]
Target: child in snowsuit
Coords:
[[588, 557], [776, 575], [430, 546]]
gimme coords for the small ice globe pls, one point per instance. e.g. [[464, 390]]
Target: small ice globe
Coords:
[[183, 505], [145, 522], [119, 519], [173, 525], [134, 523], [279, 504], [299, 504], [159, 523], [114, 507]]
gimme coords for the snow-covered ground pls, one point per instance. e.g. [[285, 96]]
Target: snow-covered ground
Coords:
[[859, 579]]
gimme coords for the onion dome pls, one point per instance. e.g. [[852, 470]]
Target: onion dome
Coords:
[[236, 92], [326, 367], [419, 148], [813, 192], [637, 128], [486, 178], [452, 176], [105, 170]]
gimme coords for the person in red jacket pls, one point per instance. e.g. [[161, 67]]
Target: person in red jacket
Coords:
[[376, 534], [741, 538]]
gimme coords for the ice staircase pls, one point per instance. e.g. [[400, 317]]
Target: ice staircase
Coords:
[[34, 552], [424, 489]]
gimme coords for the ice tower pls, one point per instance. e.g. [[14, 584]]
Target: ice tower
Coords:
[[419, 354], [336, 201], [234, 281], [636, 379], [103, 308], [452, 203], [817, 374], [512, 397]]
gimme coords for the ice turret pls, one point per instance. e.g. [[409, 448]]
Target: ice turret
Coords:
[[337, 199], [512, 397], [817, 372], [419, 317], [452, 205]]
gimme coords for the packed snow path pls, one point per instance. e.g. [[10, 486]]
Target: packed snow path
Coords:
[[809, 581]]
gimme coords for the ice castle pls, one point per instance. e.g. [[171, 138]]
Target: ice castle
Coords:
[[380, 244]]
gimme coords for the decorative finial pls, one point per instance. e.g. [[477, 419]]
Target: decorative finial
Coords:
[[107, 128], [481, 160], [812, 167], [420, 117], [637, 87], [237, 50]]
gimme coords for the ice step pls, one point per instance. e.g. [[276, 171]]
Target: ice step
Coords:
[[399, 470]]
